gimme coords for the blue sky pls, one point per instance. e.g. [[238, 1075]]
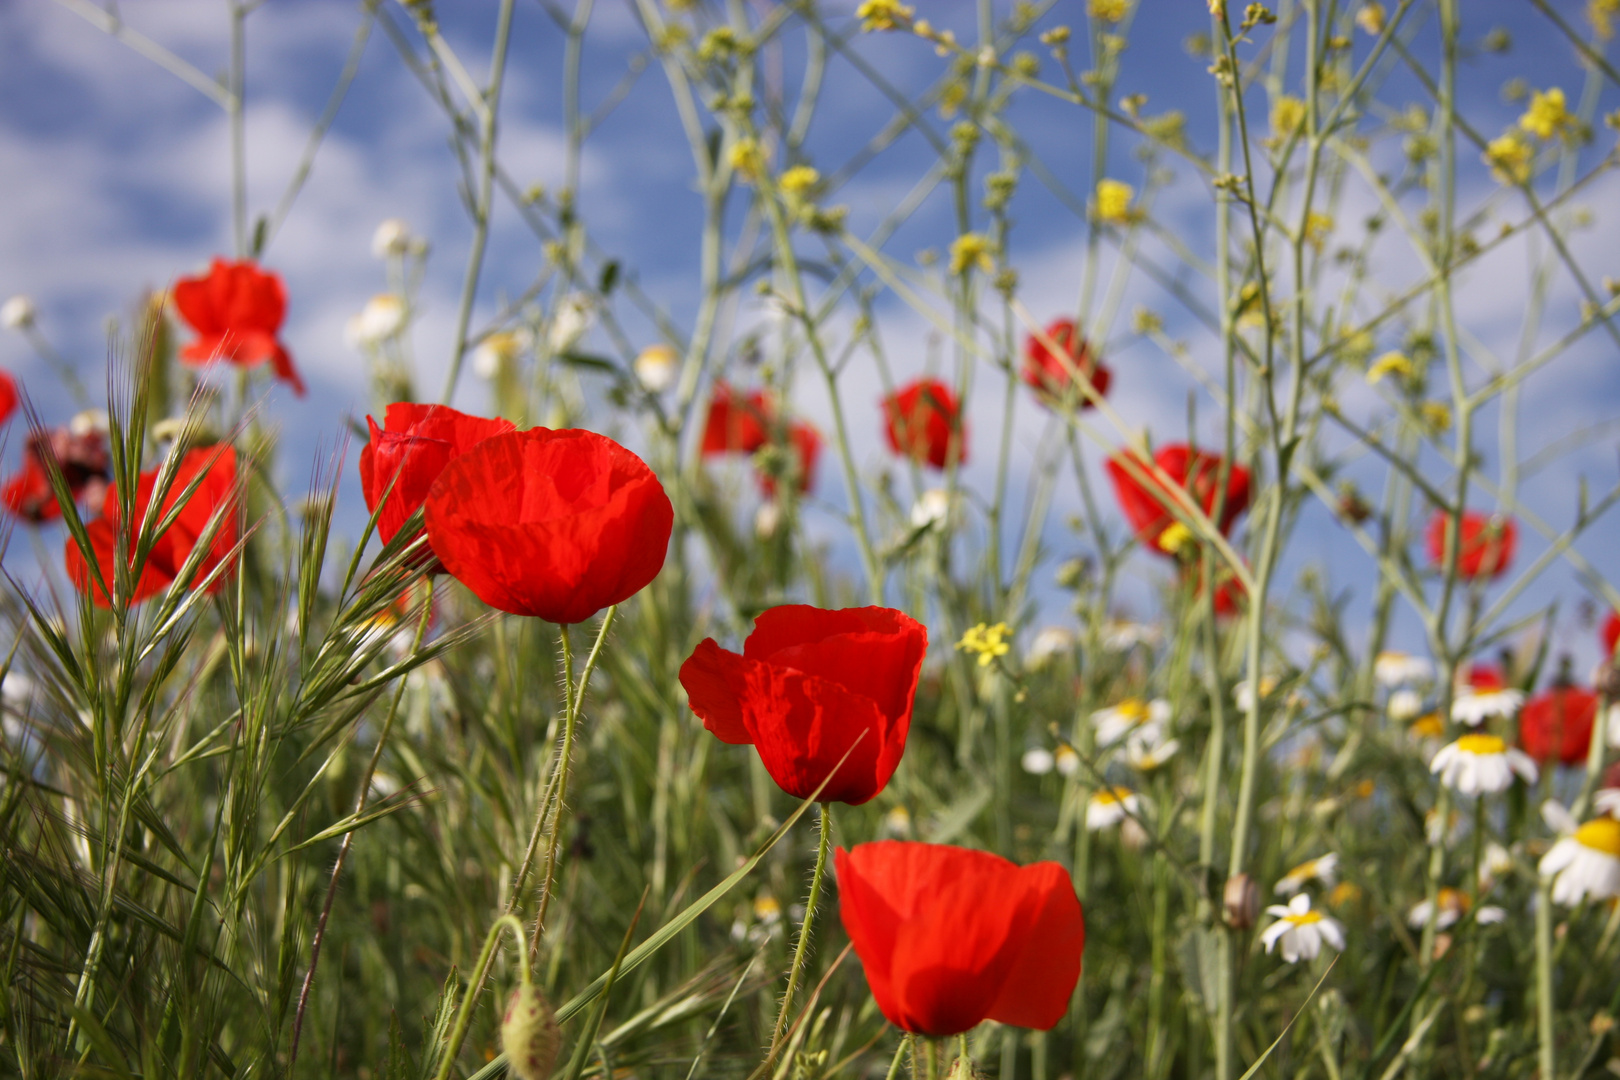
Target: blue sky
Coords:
[[117, 180]]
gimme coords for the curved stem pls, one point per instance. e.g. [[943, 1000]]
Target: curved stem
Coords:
[[458, 1033], [803, 945]]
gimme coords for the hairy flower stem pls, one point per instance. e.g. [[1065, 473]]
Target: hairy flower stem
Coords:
[[803, 946], [458, 1033]]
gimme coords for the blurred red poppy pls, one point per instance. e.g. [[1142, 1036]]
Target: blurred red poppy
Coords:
[[1230, 595], [552, 524], [216, 489], [1611, 633], [808, 684], [84, 460], [951, 937], [8, 396], [1482, 678], [923, 420], [237, 310], [415, 443], [805, 442], [1145, 499], [1487, 544], [736, 424], [1557, 723], [1054, 374]]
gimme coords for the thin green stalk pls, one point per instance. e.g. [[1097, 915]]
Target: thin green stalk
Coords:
[[803, 946], [458, 1033], [1546, 1051]]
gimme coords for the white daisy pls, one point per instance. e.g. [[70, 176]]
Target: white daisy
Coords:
[[382, 317], [1474, 707], [1038, 761], [499, 350], [1586, 863], [1242, 696], [1481, 764], [931, 508], [1120, 635], [1497, 862], [1052, 641], [1145, 755], [656, 367], [18, 313], [1131, 716], [575, 314], [1110, 806], [1301, 930], [1322, 868], [1068, 760], [897, 822], [1453, 905], [1401, 669], [1607, 800], [393, 237], [1405, 705]]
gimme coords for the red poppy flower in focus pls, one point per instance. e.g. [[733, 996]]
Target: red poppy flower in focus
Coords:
[[237, 310], [8, 396], [415, 443], [924, 421], [1487, 544], [736, 424], [1611, 633], [951, 937], [86, 465], [1053, 374], [1558, 724], [805, 442], [808, 684], [1145, 500], [217, 488], [552, 524]]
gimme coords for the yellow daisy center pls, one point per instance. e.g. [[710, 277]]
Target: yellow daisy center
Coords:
[[1451, 900], [1303, 870], [1430, 726], [1304, 919], [1601, 835], [1133, 709], [1481, 745], [1112, 796]]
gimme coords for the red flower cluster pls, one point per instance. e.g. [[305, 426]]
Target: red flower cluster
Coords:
[[805, 442], [552, 524], [1146, 501], [1486, 549], [736, 424], [951, 937], [409, 452], [923, 420], [86, 464], [1056, 376], [1558, 724], [237, 310], [808, 684], [213, 468]]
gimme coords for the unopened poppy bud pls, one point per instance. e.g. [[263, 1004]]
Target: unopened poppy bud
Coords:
[[1240, 902], [529, 1034]]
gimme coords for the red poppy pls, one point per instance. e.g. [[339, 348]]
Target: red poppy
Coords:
[[216, 465], [237, 310], [1558, 724], [553, 524], [951, 937], [1611, 633], [1482, 678], [1487, 544], [1053, 375], [1230, 595], [415, 443], [86, 465], [1145, 500], [924, 421], [736, 424], [8, 396], [806, 443], [809, 683]]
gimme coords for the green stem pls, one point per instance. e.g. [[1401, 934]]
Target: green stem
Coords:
[[458, 1033], [803, 946], [1544, 989]]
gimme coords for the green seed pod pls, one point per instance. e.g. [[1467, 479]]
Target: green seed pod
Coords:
[[529, 1034]]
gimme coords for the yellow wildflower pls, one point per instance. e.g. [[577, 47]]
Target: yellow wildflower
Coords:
[[1371, 17], [1391, 363], [1436, 414], [1510, 158], [1318, 227], [1058, 35], [747, 159], [883, 14], [798, 180], [1114, 202], [1175, 537], [1602, 14], [970, 250], [1287, 114], [1547, 117], [1109, 11], [986, 642]]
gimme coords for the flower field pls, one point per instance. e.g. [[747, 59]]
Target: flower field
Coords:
[[1017, 579]]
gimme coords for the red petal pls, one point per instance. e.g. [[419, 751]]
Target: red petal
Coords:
[[708, 691], [1042, 980]]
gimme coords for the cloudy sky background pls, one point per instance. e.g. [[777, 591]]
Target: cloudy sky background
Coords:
[[117, 180]]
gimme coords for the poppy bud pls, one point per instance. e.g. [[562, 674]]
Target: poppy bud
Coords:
[[1240, 902], [529, 1033]]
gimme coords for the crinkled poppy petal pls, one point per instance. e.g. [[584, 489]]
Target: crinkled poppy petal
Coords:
[[706, 676], [803, 727], [1043, 976], [103, 541], [410, 463], [876, 652], [871, 920]]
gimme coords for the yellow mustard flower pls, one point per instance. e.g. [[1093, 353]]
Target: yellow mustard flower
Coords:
[[747, 159], [1370, 17], [1109, 11], [798, 180], [1114, 201], [986, 642], [1436, 414], [883, 14], [1391, 363], [970, 250], [1547, 117], [1287, 114], [1510, 158]]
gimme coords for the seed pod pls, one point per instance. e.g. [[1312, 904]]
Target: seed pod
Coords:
[[1241, 902], [529, 1034]]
